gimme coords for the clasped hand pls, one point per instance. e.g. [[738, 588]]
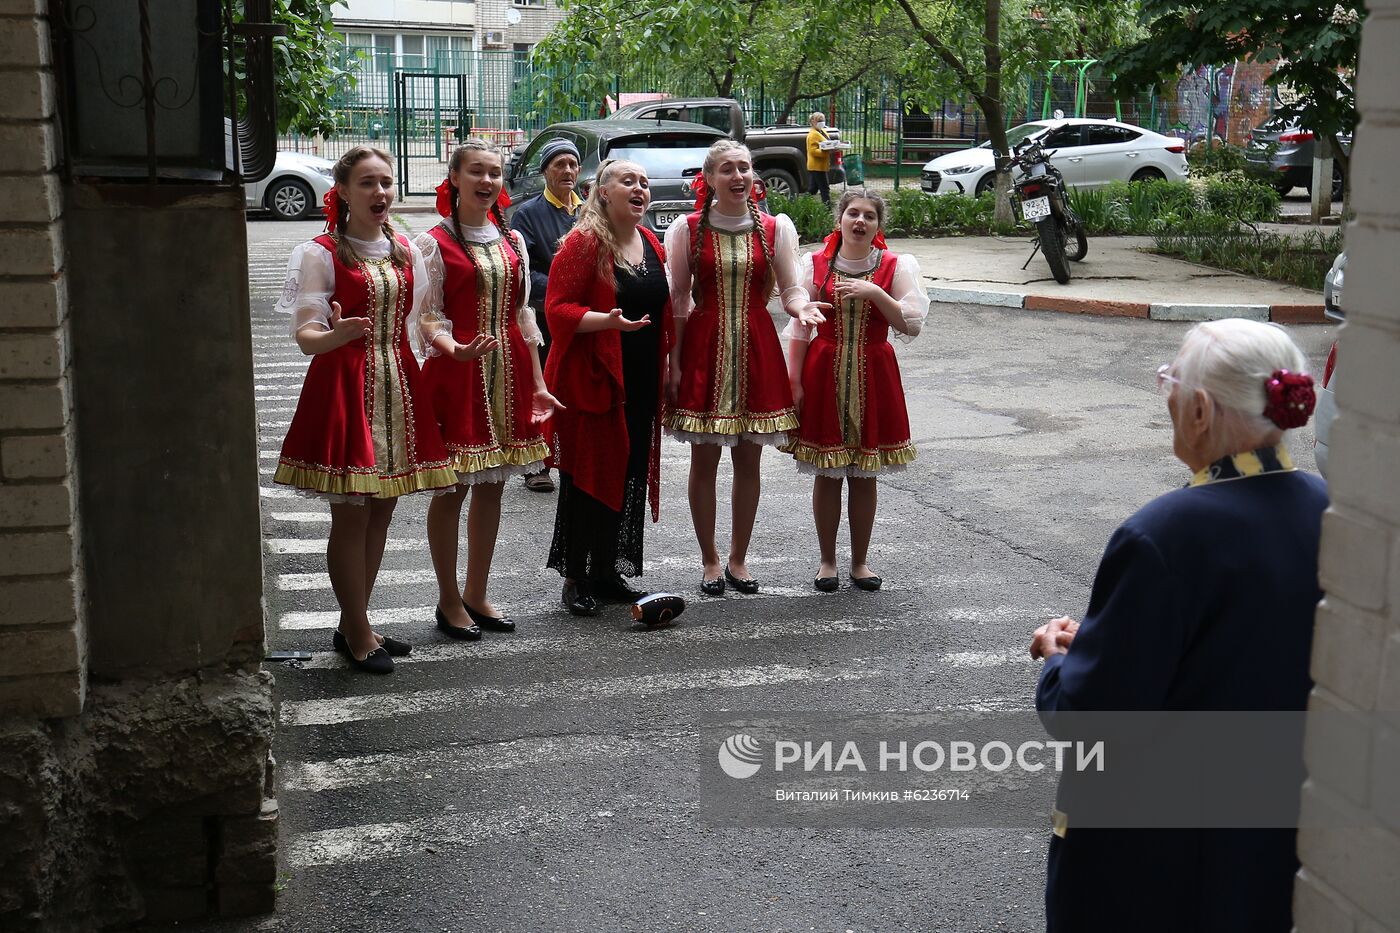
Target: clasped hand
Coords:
[[1054, 637]]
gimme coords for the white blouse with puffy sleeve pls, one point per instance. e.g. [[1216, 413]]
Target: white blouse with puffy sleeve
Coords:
[[907, 288], [682, 276], [433, 321], [306, 294]]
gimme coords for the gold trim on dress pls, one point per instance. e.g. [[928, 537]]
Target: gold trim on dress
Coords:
[[838, 458], [476, 459], [695, 422], [357, 482]]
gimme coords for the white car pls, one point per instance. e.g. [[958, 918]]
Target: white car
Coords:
[[294, 189], [1089, 153]]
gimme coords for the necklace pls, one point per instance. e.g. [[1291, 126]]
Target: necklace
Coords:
[[638, 268]]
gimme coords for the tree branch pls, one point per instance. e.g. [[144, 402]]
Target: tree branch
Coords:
[[939, 49]]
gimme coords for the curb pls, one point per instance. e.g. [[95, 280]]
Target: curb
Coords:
[[1278, 314]]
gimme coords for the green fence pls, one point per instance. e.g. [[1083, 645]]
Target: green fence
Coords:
[[419, 112]]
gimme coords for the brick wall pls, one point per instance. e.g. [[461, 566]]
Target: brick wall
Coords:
[[42, 643], [1350, 881]]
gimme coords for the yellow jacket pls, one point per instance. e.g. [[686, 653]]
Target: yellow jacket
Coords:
[[818, 159]]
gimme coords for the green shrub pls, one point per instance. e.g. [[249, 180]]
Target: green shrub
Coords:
[[1223, 158], [1301, 261], [1150, 207], [1232, 194], [809, 215]]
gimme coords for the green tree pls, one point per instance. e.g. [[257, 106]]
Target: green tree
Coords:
[[307, 65], [1316, 47], [981, 48], [718, 45]]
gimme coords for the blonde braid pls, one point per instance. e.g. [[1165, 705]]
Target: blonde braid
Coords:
[[699, 238]]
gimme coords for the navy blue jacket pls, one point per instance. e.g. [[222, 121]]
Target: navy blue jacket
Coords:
[[1204, 600], [542, 225]]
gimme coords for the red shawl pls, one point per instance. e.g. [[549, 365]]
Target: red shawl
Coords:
[[584, 371]]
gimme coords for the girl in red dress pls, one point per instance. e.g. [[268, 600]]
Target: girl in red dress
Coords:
[[728, 385], [363, 433], [853, 422], [489, 405]]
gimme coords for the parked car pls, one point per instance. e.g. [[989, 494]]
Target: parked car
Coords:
[[1089, 154], [1282, 145], [779, 152], [294, 189], [1326, 410], [671, 151]]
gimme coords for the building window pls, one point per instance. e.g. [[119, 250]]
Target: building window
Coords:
[[411, 53], [534, 3]]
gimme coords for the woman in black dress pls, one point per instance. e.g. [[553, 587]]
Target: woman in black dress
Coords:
[[608, 309]]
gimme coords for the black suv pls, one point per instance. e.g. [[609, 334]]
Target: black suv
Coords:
[[672, 153]]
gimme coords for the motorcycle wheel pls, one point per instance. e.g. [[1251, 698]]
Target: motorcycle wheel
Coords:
[[1052, 247], [1077, 246]]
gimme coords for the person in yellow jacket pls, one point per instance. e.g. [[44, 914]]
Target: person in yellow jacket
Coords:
[[818, 159]]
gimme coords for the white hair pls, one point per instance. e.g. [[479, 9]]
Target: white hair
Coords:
[[1230, 360]]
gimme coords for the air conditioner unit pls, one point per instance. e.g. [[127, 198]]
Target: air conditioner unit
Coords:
[[495, 38]]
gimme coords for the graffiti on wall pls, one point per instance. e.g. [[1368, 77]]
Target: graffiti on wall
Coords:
[[1223, 102]]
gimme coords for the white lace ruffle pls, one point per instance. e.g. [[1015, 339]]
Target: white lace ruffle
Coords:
[[494, 475], [728, 440], [847, 472]]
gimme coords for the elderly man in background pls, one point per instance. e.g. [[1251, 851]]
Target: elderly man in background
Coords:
[[542, 221], [1203, 600]]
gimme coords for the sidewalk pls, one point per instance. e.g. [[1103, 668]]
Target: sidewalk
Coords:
[[1116, 278]]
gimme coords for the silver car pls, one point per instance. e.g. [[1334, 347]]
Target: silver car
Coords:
[[1326, 410], [294, 189]]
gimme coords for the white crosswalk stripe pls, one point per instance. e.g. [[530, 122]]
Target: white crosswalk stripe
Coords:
[[570, 690]]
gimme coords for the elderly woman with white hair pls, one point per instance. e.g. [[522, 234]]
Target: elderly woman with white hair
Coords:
[[1204, 600]]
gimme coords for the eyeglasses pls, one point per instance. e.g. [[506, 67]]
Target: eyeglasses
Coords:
[[1164, 376]]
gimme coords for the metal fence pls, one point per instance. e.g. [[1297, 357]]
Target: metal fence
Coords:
[[420, 112]]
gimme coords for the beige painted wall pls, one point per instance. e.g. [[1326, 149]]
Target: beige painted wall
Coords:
[[1350, 881]]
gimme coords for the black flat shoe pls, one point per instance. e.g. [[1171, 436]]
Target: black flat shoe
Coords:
[[396, 648], [614, 589], [489, 623], [461, 632], [578, 600], [869, 584], [827, 584], [743, 586], [713, 587], [376, 662]]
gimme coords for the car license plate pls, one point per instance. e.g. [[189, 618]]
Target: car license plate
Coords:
[[927, 185], [664, 219], [1035, 208]]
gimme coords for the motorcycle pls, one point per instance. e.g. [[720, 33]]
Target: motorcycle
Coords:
[[1041, 193]]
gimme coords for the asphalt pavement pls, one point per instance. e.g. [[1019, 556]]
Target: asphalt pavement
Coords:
[[547, 780]]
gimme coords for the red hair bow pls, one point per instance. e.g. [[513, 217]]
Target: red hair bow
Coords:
[[1290, 398], [700, 189], [444, 199], [331, 202]]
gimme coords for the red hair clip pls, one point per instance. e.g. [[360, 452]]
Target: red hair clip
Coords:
[[331, 203], [1290, 398], [700, 189], [444, 198]]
